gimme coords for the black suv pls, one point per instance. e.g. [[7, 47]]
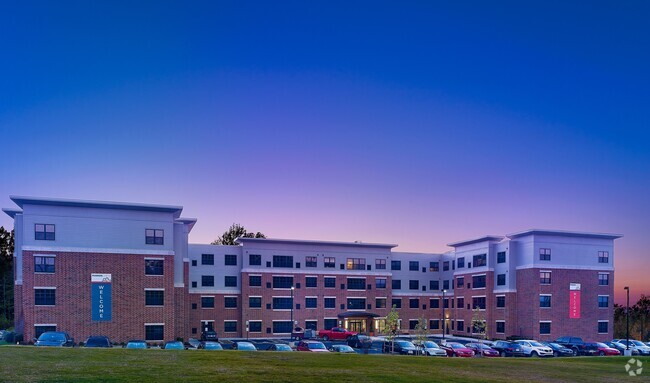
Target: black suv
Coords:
[[576, 344], [506, 348], [209, 336]]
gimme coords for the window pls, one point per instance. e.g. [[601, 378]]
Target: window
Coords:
[[230, 302], [193, 284], [460, 325], [603, 279], [380, 283], [230, 281], [445, 303], [434, 285], [445, 266], [478, 303], [414, 284], [207, 259], [380, 303], [544, 328], [603, 257], [544, 301], [311, 261], [396, 284], [193, 262], [545, 277], [453, 265], [544, 254], [281, 303], [254, 326], [329, 323], [603, 327], [603, 301], [460, 302], [356, 303], [154, 236], [255, 302], [153, 267], [478, 281], [396, 265], [311, 281], [414, 265], [231, 260], [414, 303], [283, 261], [380, 264], [255, 280], [330, 303], [413, 323], [434, 266], [330, 282], [43, 264], [329, 262], [230, 326], [501, 301], [501, 258], [311, 303], [282, 327], [45, 297], [480, 260], [282, 282], [356, 283], [356, 264], [207, 280], [501, 279], [154, 297], [255, 259], [44, 232], [460, 282], [397, 302], [434, 324], [500, 327], [207, 302], [445, 284], [461, 262], [434, 303], [38, 330], [154, 332]]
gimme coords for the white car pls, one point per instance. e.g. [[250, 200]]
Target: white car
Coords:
[[432, 349], [534, 348]]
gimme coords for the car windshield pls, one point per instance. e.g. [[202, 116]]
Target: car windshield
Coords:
[[97, 342], [316, 346], [213, 346], [555, 345], [282, 347], [174, 346], [136, 345], [456, 345], [536, 344], [602, 345], [637, 343], [52, 337], [430, 345], [245, 346], [404, 344], [483, 346]]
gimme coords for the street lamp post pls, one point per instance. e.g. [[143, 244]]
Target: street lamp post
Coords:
[[444, 322], [292, 311], [627, 322]]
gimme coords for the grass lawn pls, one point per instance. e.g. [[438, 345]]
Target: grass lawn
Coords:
[[31, 364]]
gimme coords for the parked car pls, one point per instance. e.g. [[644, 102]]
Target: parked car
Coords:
[[641, 347], [558, 349], [430, 348], [244, 346], [605, 350], [482, 349], [209, 336], [621, 348], [210, 345], [455, 349], [359, 341], [535, 349], [401, 346], [174, 345], [192, 344], [300, 333], [137, 344], [54, 339], [335, 333], [311, 346], [342, 348], [98, 341], [280, 347], [589, 349], [507, 348], [576, 344]]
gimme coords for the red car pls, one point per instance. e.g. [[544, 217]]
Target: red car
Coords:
[[311, 346], [483, 349], [336, 333], [605, 350], [456, 349]]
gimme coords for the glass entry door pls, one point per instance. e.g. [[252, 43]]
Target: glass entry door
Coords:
[[357, 325]]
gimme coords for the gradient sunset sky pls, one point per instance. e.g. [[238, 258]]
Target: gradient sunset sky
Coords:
[[416, 123]]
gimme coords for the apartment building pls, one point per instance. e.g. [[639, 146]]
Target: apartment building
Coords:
[[127, 271]]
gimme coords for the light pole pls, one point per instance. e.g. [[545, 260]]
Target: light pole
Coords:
[[627, 322], [444, 322], [292, 312]]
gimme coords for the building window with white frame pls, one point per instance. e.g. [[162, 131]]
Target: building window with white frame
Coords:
[[44, 232], [154, 237], [603, 257], [154, 297], [544, 254], [44, 264], [603, 326], [603, 279], [544, 328]]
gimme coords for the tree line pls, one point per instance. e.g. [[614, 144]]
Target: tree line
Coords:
[[6, 278], [639, 319]]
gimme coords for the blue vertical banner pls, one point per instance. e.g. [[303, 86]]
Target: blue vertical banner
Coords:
[[101, 297]]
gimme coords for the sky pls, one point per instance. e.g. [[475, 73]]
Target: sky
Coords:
[[418, 123]]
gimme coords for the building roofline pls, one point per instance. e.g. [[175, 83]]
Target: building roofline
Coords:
[[314, 242], [23, 200], [12, 212], [564, 233], [477, 240], [187, 221]]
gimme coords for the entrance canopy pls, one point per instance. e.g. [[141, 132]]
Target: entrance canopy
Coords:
[[357, 314]]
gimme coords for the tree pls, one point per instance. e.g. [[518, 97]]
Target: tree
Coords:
[[235, 231], [642, 313], [6, 277], [421, 331], [479, 324], [392, 326]]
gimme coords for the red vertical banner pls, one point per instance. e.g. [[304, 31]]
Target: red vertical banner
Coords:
[[574, 300]]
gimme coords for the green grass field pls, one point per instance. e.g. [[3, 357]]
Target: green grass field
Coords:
[[31, 364]]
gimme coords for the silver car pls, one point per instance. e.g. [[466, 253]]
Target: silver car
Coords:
[[432, 349]]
